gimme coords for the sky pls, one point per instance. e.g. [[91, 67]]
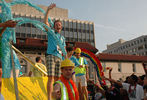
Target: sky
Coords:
[[113, 19]]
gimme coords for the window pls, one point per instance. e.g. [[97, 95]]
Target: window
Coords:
[[144, 39], [134, 42], [91, 36], [33, 35], [38, 31], [119, 67], [71, 34], [70, 24], [66, 33], [17, 34], [28, 30], [91, 27], [83, 35], [44, 37], [87, 26], [22, 30], [28, 35], [28, 25], [17, 29], [146, 46], [84, 27], [87, 36], [140, 47], [75, 35], [134, 67], [92, 44], [39, 36], [33, 31], [66, 24], [140, 40], [79, 35], [84, 40], [74, 25], [79, 26], [23, 35], [131, 44]]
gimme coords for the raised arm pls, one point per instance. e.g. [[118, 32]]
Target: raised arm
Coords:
[[112, 80], [47, 12], [87, 72], [6, 24], [9, 23], [110, 70]]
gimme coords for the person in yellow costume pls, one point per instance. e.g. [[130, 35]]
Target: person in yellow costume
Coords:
[[81, 72], [35, 71]]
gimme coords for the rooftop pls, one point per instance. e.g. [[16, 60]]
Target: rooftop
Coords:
[[118, 57]]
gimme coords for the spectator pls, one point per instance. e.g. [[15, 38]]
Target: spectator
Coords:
[[35, 71], [141, 79], [134, 90]]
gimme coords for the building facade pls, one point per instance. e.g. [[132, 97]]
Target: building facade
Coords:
[[122, 65], [137, 46], [73, 30], [32, 42]]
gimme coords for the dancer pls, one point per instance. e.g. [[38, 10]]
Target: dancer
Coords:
[[54, 52]]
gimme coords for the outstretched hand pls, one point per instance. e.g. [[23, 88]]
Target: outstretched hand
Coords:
[[51, 6], [104, 78], [10, 23]]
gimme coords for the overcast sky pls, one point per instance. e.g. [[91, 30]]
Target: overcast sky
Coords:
[[113, 19]]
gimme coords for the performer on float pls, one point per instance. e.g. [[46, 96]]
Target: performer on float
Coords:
[[4, 25], [65, 88], [81, 72], [7, 37], [54, 52], [7, 15]]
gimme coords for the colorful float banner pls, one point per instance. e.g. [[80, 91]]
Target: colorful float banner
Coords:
[[29, 88]]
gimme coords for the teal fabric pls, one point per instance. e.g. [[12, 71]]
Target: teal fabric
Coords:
[[0, 48], [52, 45]]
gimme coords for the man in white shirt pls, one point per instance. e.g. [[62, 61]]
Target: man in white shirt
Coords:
[[134, 90]]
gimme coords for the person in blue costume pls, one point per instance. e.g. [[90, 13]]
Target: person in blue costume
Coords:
[[9, 34], [70, 51], [7, 37], [3, 26], [81, 73], [54, 52]]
